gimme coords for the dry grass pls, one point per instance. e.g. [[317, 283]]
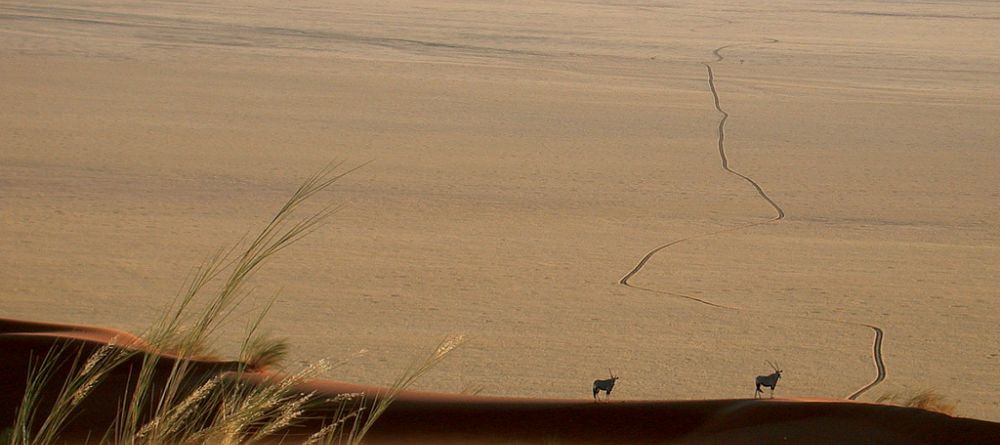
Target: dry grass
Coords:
[[192, 407], [265, 352], [926, 400]]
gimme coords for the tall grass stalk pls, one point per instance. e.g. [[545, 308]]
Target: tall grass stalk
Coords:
[[184, 332], [82, 376], [189, 404], [40, 373], [347, 411], [416, 369], [259, 350]]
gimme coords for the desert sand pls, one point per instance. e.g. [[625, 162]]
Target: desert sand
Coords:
[[526, 157], [437, 418]]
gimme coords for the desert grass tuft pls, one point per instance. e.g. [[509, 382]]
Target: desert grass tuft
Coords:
[[250, 413], [260, 350], [927, 400], [184, 330], [265, 352], [191, 405], [82, 376]]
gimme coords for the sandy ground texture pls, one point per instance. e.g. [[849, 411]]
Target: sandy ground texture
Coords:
[[527, 155], [438, 418]]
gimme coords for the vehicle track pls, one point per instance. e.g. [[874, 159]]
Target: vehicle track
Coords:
[[877, 354], [779, 215]]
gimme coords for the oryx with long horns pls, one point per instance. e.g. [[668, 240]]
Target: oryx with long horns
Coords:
[[769, 381], [605, 385]]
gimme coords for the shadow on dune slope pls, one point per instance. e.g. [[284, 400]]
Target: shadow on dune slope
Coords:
[[419, 417]]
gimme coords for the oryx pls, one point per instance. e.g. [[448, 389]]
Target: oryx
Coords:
[[769, 381], [605, 385]]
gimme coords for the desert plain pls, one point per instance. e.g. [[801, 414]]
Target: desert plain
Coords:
[[524, 158]]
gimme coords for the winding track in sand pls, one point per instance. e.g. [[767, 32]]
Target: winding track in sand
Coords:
[[877, 354], [779, 215], [779, 212]]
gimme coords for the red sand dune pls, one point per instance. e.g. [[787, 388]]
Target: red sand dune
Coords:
[[417, 417]]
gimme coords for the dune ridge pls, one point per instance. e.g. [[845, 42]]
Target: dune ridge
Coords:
[[425, 417]]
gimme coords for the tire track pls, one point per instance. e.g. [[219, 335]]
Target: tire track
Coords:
[[779, 215], [879, 365], [642, 263], [779, 212], [876, 351]]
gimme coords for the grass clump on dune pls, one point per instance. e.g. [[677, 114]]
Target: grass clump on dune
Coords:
[[927, 400], [170, 395]]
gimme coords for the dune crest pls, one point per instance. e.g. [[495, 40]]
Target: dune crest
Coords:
[[423, 417]]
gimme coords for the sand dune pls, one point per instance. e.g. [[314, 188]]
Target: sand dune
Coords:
[[437, 418]]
